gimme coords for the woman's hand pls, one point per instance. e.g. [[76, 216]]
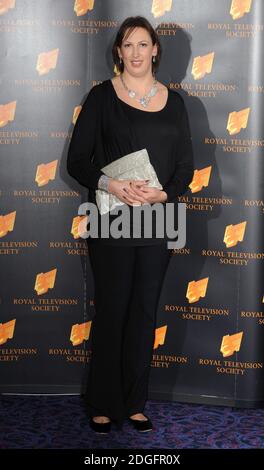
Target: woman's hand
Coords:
[[136, 192], [125, 190], [150, 194]]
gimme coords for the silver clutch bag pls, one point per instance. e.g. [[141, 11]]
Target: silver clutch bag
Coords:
[[135, 165]]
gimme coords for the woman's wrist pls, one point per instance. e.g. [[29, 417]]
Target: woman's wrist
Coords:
[[164, 196], [103, 182]]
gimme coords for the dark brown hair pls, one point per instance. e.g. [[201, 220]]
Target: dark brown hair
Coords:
[[129, 24]]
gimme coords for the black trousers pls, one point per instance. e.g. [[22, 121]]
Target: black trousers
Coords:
[[127, 286]]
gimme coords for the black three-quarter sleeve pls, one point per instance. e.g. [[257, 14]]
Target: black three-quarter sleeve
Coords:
[[182, 177], [82, 145]]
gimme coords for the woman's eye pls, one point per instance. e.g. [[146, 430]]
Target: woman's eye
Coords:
[[143, 44]]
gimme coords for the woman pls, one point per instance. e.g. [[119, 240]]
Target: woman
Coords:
[[121, 115]]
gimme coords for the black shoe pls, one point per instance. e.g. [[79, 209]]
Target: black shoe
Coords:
[[140, 425], [102, 428]]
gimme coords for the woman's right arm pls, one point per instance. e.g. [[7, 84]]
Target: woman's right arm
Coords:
[[82, 145]]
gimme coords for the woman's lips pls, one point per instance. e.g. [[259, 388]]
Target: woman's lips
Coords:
[[136, 63]]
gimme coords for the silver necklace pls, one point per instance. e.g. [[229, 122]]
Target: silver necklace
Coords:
[[144, 100]]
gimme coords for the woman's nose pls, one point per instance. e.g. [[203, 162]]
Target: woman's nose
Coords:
[[135, 52]]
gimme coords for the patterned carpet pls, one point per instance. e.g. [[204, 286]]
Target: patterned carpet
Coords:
[[60, 422]]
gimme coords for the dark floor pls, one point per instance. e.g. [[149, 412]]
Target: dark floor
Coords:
[[60, 422]]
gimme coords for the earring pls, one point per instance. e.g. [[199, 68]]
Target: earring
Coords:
[[154, 58], [120, 60]]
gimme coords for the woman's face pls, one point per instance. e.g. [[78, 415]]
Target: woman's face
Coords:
[[137, 51]]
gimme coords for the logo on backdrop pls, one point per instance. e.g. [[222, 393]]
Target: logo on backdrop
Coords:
[[239, 8], [7, 223], [234, 234], [202, 65], [237, 121], [200, 179], [81, 7], [7, 331], [231, 344], [160, 334], [7, 113], [196, 290], [6, 5], [46, 172], [45, 281], [47, 61], [80, 333], [159, 7]]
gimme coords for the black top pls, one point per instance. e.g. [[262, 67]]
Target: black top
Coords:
[[107, 128]]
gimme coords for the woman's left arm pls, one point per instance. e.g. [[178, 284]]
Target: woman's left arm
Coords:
[[182, 177]]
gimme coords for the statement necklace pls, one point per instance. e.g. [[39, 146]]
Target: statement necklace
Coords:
[[144, 100]]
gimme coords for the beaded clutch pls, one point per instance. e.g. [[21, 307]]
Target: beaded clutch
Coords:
[[135, 165]]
